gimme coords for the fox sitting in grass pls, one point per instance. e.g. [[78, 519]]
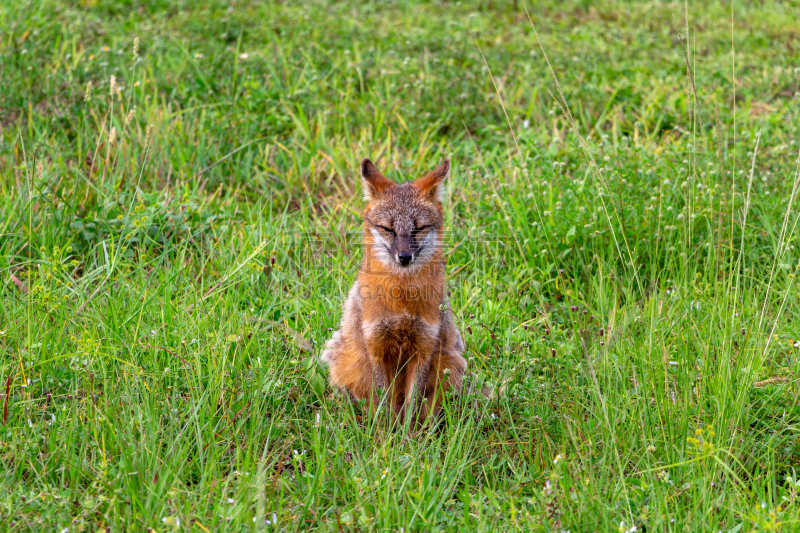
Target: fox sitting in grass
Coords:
[[398, 333]]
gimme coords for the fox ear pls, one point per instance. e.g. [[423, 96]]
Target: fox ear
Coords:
[[374, 182], [432, 185]]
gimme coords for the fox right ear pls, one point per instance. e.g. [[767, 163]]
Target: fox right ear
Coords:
[[374, 182]]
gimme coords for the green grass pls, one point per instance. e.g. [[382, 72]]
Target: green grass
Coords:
[[174, 255]]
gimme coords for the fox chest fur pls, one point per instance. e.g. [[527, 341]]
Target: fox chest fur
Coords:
[[403, 325]]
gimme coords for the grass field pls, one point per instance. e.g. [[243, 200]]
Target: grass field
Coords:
[[179, 224]]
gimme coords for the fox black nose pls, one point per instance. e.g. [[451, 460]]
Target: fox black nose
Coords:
[[404, 258]]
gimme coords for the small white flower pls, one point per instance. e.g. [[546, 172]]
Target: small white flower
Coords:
[[673, 363], [231, 500], [198, 55], [244, 56], [558, 458], [385, 471], [175, 521]]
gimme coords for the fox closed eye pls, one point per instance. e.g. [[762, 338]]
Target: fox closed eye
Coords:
[[384, 228]]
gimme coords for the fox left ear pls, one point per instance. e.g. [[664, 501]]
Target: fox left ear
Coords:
[[432, 185]]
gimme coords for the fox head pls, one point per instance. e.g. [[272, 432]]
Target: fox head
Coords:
[[403, 221]]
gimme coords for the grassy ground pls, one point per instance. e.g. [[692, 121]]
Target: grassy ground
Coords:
[[179, 218]]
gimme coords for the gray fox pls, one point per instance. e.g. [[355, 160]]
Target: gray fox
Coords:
[[397, 332]]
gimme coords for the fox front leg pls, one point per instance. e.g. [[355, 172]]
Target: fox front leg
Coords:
[[414, 404], [378, 386]]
